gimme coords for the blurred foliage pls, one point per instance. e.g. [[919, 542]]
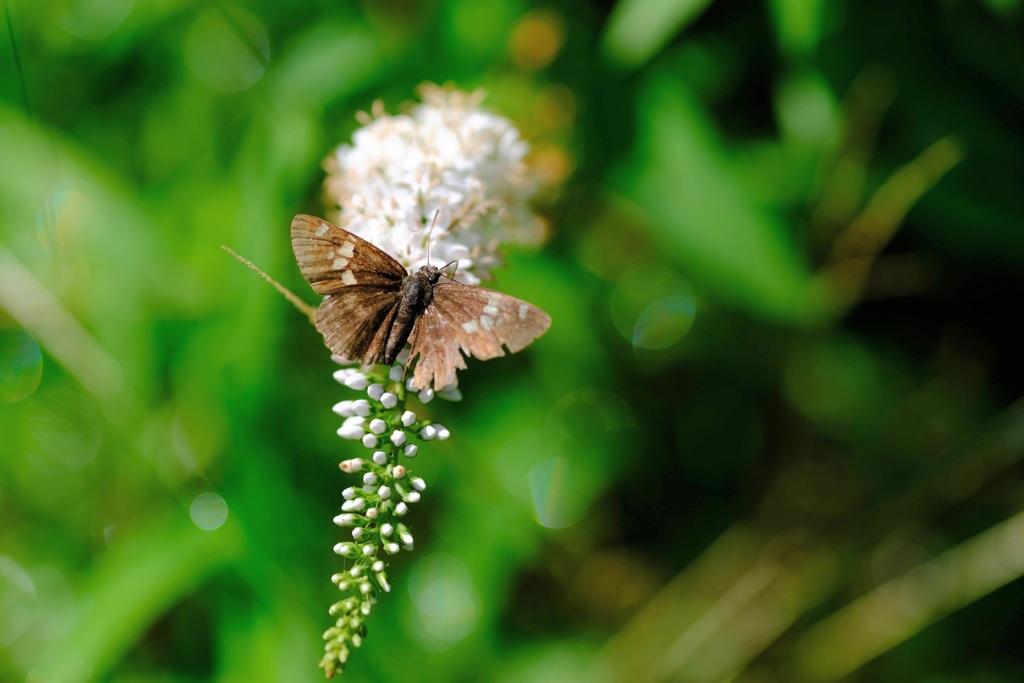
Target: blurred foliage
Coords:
[[775, 431]]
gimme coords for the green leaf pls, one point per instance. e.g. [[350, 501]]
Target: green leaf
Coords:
[[130, 588], [327, 63], [639, 28], [704, 217], [798, 25]]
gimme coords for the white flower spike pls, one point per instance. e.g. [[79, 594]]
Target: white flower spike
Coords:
[[448, 177]]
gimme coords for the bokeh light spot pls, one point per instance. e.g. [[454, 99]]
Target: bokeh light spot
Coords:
[[653, 308], [68, 212], [92, 19], [21, 365], [208, 511], [836, 382], [447, 607], [62, 431], [536, 39], [554, 504], [664, 322], [590, 411], [226, 50], [552, 164], [807, 110], [520, 454]]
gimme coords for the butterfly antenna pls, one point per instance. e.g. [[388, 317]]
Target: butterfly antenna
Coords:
[[430, 232], [452, 276], [305, 308]]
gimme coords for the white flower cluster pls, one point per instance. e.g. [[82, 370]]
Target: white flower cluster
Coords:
[[446, 157]]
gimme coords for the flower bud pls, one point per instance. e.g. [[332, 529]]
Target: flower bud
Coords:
[[357, 381], [346, 549], [351, 431], [343, 374]]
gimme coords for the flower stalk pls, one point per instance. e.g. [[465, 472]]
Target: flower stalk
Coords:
[[374, 509]]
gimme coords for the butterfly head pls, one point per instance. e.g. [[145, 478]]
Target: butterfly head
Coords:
[[432, 273]]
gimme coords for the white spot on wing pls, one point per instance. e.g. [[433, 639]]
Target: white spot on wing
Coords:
[[487, 322], [523, 308], [470, 327], [348, 249], [491, 310], [322, 230], [347, 278], [339, 263]]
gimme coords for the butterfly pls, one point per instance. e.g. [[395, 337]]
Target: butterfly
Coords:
[[372, 306]]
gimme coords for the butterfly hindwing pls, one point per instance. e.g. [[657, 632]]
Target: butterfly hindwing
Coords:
[[473, 321], [332, 258], [355, 322]]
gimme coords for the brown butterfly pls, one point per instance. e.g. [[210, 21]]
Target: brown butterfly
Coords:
[[373, 306]]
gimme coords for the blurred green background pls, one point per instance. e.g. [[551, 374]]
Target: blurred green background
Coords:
[[774, 433]]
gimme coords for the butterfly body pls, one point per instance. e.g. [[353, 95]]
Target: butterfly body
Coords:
[[417, 294], [373, 306]]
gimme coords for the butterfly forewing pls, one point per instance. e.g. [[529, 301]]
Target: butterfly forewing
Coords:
[[471, 321], [333, 259], [362, 284]]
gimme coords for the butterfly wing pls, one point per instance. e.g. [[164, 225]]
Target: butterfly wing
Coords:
[[477, 322], [362, 285], [332, 258], [355, 321]]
